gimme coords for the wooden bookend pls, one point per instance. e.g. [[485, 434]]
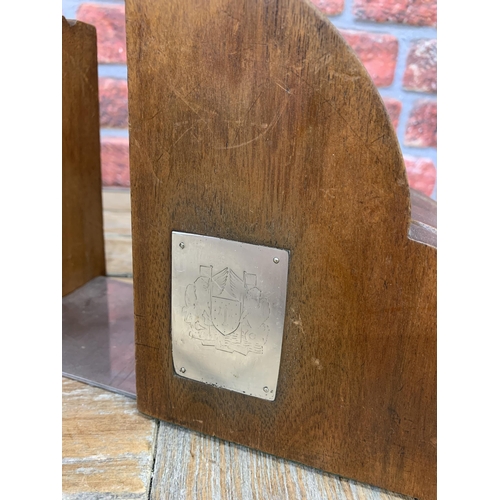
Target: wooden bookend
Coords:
[[83, 240], [253, 121]]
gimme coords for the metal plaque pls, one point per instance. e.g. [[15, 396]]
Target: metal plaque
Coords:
[[228, 311]]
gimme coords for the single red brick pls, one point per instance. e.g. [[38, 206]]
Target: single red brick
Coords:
[[115, 162], [329, 7], [378, 52], [414, 12], [109, 21], [393, 107], [421, 174], [113, 103], [421, 67], [421, 129]]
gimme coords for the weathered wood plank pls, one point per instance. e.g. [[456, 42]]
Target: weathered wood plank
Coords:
[[116, 199], [191, 466], [117, 223], [108, 448], [117, 231], [107, 445], [118, 254]]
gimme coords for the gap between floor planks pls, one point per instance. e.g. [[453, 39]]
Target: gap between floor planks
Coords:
[[111, 452], [187, 464]]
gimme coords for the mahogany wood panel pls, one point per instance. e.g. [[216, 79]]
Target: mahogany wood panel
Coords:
[[254, 121], [82, 240]]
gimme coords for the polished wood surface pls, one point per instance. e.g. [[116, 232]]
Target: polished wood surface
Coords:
[[111, 451], [82, 230], [255, 122]]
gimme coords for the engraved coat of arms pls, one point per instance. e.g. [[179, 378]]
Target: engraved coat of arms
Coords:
[[227, 312]]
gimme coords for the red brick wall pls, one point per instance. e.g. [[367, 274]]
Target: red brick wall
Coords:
[[410, 93], [413, 12]]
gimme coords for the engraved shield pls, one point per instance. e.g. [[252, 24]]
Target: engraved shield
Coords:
[[226, 314]]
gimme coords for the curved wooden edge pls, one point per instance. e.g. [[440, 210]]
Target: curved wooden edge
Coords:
[[403, 179], [422, 210]]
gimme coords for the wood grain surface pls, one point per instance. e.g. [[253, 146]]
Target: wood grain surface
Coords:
[[254, 121], [190, 465], [112, 452], [107, 445], [117, 231], [82, 236]]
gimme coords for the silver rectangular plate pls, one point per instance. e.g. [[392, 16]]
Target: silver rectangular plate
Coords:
[[228, 311]]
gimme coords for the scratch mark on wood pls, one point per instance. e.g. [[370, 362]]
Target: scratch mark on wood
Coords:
[[274, 121]]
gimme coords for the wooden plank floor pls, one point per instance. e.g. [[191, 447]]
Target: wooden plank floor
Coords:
[[112, 452], [117, 231], [108, 447]]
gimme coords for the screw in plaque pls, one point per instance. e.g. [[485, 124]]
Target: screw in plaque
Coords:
[[276, 260], [266, 389], [183, 370], [181, 244]]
